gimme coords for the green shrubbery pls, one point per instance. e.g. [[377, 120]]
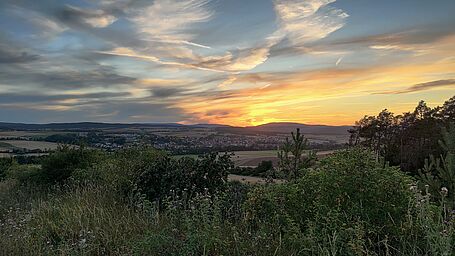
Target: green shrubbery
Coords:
[[60, 165], [5, 164], [349, 196], [144, 202]]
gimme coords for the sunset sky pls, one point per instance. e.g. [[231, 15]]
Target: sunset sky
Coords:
[[236, 62]]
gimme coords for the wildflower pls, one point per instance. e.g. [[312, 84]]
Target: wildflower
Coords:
[[82, 242], [444, 191]]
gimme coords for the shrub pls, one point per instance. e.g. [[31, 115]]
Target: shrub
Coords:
[[60, 165], [5, 164], [157, 176], [25, 173], [349, 189], [186, 176]]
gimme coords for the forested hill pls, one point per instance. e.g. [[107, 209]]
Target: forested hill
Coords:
[[279, 127]]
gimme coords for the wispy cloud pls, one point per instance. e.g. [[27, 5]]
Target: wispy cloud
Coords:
[[45, 27], [308, 21], [10, 54], [169, 20], [97, 18], [423, 86]]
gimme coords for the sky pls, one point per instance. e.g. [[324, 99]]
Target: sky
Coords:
[[232, 62]]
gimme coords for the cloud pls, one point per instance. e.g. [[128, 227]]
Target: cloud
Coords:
[[338, 61], [64, 78], [20, 98], [237, 60], [93, 17], [423, 86], [306, 21], [129, 52], [417, 40], [112, 111], [300, 21], [44, 27], [166, 92], [168, 20], [9, 56]]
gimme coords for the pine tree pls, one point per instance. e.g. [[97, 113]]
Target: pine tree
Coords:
[[291, 156]]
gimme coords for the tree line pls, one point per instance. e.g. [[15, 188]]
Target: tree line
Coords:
[[405, 140]]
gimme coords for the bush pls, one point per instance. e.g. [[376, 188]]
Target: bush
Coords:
[[156, 175], [349, 189], [25, 173], [60, 165], [5, 164], [167, 176]]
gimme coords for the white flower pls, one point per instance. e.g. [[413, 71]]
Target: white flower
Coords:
[[444, 191]]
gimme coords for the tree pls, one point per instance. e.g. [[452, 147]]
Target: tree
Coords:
[[448, 109], [291, 156], [407, 139], [61, 164], [440, 172]]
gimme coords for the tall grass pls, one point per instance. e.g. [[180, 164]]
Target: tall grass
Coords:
[[87, 220]]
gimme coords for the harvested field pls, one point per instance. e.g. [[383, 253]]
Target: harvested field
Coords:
[[250, 179], [30, 145], [253, 158], [30, 134]]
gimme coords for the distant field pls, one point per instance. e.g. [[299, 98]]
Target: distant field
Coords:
[[9, 144], [6, 146], [250, 179], [253, 158], [33, 134], [324, 138]]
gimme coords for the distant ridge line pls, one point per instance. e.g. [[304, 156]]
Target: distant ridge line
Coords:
[[275, 127]]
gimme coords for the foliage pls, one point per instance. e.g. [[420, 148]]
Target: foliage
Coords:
[[349, 189], [156, 175], [25, 173], [434, 225], [141, 201], [440, 172], [170, 177], [407, 139], [5, 164], [60, 165]]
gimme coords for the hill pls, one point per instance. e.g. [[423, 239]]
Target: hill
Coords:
[[270, 128]]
